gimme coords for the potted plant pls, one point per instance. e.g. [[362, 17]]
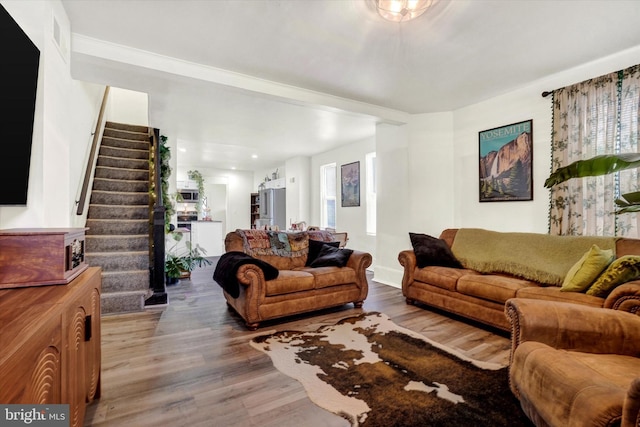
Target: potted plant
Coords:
[[601, 165], [179, 264]]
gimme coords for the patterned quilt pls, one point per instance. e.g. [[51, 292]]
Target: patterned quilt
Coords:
[[281, 243]]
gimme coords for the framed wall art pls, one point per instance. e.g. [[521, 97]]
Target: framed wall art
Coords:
[[506, 163], [350, 184]]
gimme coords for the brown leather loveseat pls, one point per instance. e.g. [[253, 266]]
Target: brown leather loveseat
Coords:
[[298, 287]]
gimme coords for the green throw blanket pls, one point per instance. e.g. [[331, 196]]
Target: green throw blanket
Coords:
[[539, 257]]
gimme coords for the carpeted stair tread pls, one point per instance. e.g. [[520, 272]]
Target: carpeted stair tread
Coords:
[[126, 153], [115, 253], [130, 207], [118, 212], [120, 185], [117, 239], [101, 197], [124, 134], [111, 172], [117, 226], [124, 143], [124, 163], [124, 281], [119, 261], [111, 243], [127, 126], [122, 302]]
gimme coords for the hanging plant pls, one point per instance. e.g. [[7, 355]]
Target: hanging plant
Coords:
[[196, 176]]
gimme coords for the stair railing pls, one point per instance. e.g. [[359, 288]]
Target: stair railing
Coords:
[[97, 134], [156, 224]]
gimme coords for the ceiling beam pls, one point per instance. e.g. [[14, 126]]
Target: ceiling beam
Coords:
[[123, 54]]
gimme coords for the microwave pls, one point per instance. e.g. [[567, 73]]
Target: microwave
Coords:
[[191, 196]]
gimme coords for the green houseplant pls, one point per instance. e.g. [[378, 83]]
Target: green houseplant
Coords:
[[601, 165], [196, 176], [165, 173], [179, 264]]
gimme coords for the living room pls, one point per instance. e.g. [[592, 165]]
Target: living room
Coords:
[[427, 162], [426, 148]]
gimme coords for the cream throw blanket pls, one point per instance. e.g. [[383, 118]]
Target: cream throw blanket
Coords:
[[534, 256]]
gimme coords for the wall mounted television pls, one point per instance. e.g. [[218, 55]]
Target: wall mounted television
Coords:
[[20, 59]]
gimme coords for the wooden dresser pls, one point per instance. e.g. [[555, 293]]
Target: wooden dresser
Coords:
[[50, 344]]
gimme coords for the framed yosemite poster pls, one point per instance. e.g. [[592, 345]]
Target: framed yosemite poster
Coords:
[[350, 184], [506, 163]]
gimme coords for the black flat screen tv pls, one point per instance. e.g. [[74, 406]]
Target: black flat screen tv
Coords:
[[19, 61]]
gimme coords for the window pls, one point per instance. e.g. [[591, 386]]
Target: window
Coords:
[[328, 195], [370, 188], [594, 117]]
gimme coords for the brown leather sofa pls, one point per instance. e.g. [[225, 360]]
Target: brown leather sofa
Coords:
[[298, 288], [575, 365], [481, 297]]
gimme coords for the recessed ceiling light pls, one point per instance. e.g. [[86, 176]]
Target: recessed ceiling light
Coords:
[[254, 156], [182, 150], [233, 168]]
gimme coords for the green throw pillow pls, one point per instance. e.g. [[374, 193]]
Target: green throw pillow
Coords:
[[622, 270], [587, 269]]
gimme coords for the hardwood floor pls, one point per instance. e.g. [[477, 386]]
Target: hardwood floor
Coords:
[[190, 364]]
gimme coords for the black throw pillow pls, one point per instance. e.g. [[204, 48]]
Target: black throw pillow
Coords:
[[314, 249], [430, 250], [330, 256]]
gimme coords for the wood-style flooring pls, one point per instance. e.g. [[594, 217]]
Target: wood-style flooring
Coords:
[[190, 363]]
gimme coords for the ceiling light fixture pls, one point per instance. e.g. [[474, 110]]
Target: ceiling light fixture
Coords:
[[402, 10]]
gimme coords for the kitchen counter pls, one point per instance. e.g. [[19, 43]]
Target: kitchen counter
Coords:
[[208, 235]]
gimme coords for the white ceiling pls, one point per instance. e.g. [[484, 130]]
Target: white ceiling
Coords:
[[282, 78]]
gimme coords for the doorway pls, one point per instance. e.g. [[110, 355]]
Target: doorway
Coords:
[[217, 201]]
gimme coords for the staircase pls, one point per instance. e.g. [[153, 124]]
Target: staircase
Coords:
[[118, 219]]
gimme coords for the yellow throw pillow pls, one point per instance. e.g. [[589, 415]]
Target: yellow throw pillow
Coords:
[[587, 269], [620, 271]]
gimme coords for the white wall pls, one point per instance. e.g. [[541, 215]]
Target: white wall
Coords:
[[416, 189], [393, 201], [430, 180], [525, 216], [57, 114], [298, 187], [217, 199], [523, 104], [349, 219], [442, 161], [129, 107], [83, 124]]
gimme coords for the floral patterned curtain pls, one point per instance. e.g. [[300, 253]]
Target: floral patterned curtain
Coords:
[[594, 117], [629, 116]]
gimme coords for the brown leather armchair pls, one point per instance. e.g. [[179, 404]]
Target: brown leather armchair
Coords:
[[574, 365]]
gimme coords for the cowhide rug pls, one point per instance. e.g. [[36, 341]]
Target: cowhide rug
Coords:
[[375, 373]]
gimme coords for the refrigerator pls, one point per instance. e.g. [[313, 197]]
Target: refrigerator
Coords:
[[273, 208]]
